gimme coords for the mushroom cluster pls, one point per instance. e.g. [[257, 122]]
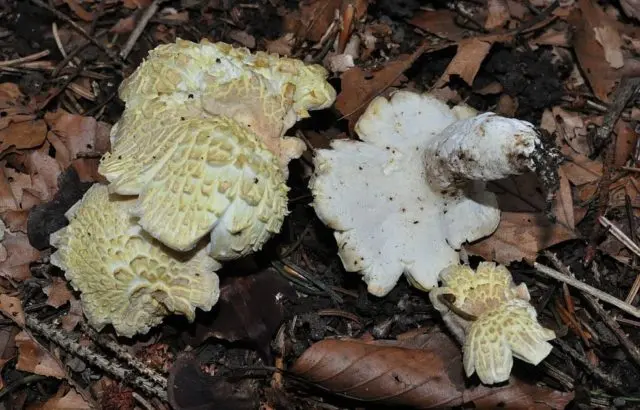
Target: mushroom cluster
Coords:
[[492, 318], [197, 176]]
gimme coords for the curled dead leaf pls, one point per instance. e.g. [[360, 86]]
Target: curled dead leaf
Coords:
[[424, 371], [467, 61], [58, 292], [33, 358], [11, 307]]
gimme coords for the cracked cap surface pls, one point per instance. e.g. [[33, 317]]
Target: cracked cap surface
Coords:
[[505, 326], [127, 278]]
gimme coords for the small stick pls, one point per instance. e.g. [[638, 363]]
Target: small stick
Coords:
[[629, 346], [142, 24], [619, 235], [96, 359], [605, 297], [610, 381], [125, 356], [25, 59]]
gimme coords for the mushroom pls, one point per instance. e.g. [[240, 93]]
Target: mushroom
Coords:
[[201, 143], [492, 318], [406, 196], [127, 278]]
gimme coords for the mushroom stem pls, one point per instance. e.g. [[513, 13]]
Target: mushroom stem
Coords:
[[486, 147]]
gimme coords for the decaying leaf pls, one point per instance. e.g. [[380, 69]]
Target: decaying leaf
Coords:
[[441, 22], [424, 371], [33, 358], [498, 14], [359, 87], [19, 255], [467, 61], [23, 135], [11, 307], [589, 20], [524, 229], [74, 316], [312, 18], [58, 292], [82, 136]]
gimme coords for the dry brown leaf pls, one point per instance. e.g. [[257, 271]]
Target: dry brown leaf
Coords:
[[12, 308], [58, 292], [572, 129], [439, 22], [20, 255], [498, 14], [524, 230], [23, 135], [588, 19], [467, 61], [312, 18], [83, 136], [507, 105], [359, 87], [87, 169], [74, 316], [136, 4], [16, 221], [44, 171], [579, 169], [626, 138], [33, 358], [7, 200], [79, 11], [424, 371], [71, 400], [124, 25]]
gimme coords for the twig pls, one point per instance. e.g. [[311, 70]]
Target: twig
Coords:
[[629, 346], [619, 235], [606, 379], [623, 93], [94, 358], [125, 356], [79, 29], [25, 59], [605, 297], [142, 24]]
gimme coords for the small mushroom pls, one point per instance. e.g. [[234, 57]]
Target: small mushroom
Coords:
[[202, 143], [492, 318], [406, 196], [127, 278]]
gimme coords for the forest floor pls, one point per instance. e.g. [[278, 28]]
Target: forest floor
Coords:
[[569, 67]]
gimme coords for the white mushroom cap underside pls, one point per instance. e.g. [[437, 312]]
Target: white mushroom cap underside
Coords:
[[374, 194]]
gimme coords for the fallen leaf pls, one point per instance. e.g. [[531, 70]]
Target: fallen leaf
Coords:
[[79, 11], [58, 292], [71, 400], [16, 221], [498, 14], [424, 371], [83, 136], [33, 358], [579, 169], [507, 105], [631, 8], [8, 200], [44, 172], [441, 22], [467, 61], [359, 87], [572, 129], [282, 45], [11, 307], [626, 139], [192, 389], [312, 19], [587, 18], [73, 316], [250, 310], [243, 38], [136, 4], [48, 218], [124, 25], [20, 255], [611, 42], [23, 135], [524, 229]]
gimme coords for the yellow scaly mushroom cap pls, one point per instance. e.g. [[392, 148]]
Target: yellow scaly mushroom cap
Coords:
[[505, 323], [202, 142], [127, 278]]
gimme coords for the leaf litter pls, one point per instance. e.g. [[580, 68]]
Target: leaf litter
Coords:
[[556, 64]]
